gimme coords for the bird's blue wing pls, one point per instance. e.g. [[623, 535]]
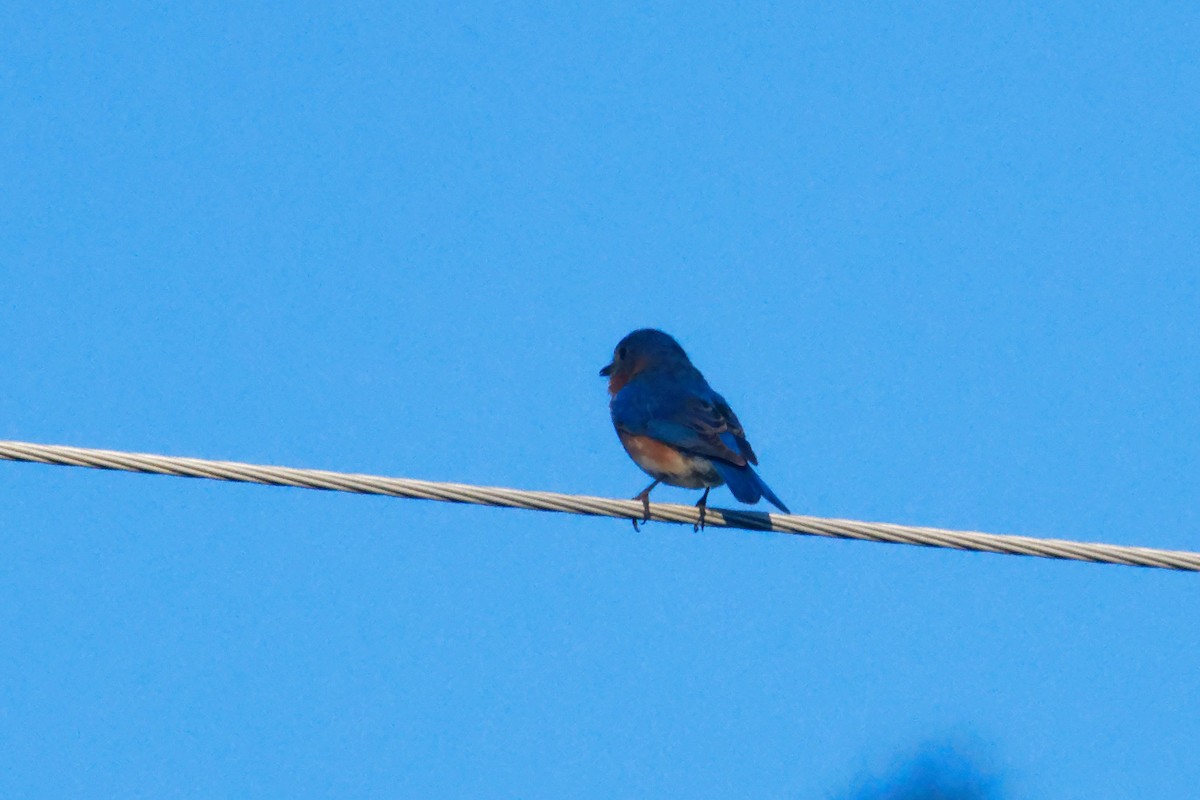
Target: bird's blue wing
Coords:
[[684, 413]]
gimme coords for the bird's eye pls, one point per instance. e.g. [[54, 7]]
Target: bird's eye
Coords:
[[621, 352]]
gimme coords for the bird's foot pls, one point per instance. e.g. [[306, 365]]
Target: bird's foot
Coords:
[[703, 506], [644, 496]]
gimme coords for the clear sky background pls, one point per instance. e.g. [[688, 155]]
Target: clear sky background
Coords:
[[943, 261]]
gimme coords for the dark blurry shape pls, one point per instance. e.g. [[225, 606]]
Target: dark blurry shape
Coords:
[[935, 773]]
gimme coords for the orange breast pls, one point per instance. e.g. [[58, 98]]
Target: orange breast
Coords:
[[617, 381], [622, 376], [654, 456]]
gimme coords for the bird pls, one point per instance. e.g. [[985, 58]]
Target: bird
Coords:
[[675, 426]]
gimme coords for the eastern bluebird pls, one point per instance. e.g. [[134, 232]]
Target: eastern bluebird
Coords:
[[674, 426]]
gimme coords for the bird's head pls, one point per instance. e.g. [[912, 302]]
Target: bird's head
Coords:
[[641, 350]]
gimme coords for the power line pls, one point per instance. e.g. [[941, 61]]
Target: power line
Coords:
[[598, 506]]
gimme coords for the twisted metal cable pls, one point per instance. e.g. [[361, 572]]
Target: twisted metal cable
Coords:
[[598, 506]]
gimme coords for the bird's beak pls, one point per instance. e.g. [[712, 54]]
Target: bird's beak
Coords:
[[604, 373]]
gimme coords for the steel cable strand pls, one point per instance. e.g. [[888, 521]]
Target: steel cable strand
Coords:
[[596, 506]]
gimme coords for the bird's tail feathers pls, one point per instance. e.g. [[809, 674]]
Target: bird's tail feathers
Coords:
[[746, 485], [767, 493]]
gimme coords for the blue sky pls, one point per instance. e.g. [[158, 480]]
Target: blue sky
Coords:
[[943, 262]]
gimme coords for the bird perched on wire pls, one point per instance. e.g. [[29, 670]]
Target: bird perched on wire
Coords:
[[674, 426]]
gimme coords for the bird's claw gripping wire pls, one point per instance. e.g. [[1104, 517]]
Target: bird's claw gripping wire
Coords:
[[644, 496], [702, 504]]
